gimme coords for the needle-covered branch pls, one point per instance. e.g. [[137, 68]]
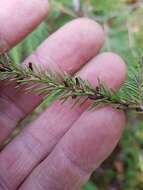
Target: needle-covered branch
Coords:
[[64, 86]]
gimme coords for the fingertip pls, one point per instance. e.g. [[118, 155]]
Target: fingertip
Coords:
[[90, 27], [115, 67], [108, 67], [117, 62], [71, 46], [25, 16], [85, 37], [94, 136]]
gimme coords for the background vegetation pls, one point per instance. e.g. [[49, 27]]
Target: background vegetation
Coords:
[[123, 23]]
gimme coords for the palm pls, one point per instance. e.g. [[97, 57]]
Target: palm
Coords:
[[61, 148]]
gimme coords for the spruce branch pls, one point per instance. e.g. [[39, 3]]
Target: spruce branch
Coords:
[[64, 86]]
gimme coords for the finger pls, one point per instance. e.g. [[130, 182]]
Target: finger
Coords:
[[18, 18], [90, 140], [80, 40], [38, 139]]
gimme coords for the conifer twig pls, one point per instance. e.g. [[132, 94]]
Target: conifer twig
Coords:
[[63, 87]]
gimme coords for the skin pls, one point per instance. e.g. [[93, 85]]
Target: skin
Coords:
[[60, 149]]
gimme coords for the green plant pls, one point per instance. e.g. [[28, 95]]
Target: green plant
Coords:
[[63, 86]]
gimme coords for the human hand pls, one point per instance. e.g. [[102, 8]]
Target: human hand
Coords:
[[61, 148]]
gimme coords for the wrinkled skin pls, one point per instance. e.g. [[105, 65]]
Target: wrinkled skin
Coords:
[[61, 148]]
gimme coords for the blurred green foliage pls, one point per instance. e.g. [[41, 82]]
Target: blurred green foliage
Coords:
[[123, 23]]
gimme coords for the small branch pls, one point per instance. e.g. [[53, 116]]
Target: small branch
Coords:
[[64, 86]]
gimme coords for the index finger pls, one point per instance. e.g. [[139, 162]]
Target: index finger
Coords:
[[18, 18]]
